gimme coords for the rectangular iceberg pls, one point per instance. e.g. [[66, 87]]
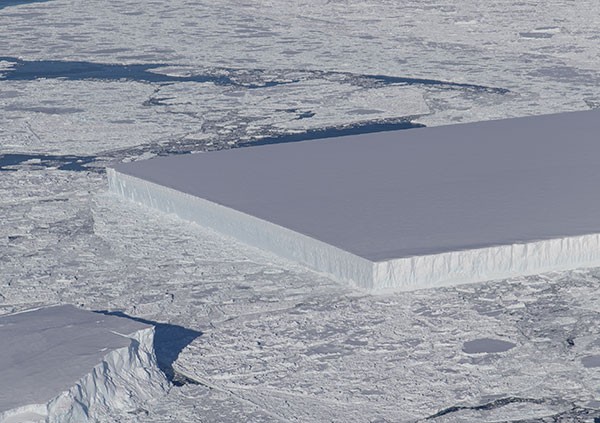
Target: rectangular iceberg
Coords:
[[404, 209]]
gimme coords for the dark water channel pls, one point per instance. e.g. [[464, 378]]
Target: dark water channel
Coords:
[[313, 134], [24, 70], [8, 3], [75, 163]]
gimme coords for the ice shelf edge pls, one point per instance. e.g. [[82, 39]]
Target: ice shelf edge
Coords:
[[317, 255], [402, 274], [489, 263]]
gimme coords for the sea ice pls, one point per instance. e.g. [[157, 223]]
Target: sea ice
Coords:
[[400, 358]]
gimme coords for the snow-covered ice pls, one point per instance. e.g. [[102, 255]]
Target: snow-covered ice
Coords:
[[281, 343], [64, 364], [406, 209]]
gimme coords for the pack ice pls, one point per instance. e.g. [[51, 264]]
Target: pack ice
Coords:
[[64, 364], [400, 210]]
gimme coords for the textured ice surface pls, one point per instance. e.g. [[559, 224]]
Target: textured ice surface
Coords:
[[282, 343], [458, 203], [263, 319], [63, 364], [321, 57]]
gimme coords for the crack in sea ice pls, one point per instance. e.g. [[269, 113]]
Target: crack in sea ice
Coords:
[[161, 75], [573, 413], [401, 80], [24, 70], [487, 406], [336, 131]]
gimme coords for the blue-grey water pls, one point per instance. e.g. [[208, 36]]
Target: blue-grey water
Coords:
[[9, 162], [75, 71], [68, 162], [312, 134], [81, 70], [8, 3], [24, 70]]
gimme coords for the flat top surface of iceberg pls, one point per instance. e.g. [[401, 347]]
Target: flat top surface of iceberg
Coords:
[[44, 352], [412, 192]]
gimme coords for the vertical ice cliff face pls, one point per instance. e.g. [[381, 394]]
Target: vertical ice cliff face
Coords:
[[122, 380], [383, 212], [496, 262], [320, 256], [406, 273]]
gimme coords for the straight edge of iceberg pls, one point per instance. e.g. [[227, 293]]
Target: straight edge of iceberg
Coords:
[[317, 255], [489, 263], [402, 274]]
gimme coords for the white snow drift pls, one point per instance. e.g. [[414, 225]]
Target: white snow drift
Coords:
[[63, 364]]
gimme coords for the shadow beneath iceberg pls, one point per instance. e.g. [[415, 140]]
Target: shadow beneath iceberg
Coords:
[[169, 341]]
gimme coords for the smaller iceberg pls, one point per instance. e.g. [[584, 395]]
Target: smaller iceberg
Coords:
[[64, 364]]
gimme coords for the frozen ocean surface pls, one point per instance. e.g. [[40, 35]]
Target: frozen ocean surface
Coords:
[[281, 343]]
